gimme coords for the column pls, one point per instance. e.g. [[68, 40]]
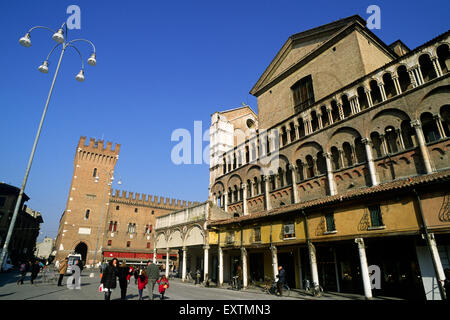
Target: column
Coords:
[[288, 133], [330, 176], [364, 268], [154, 255], [423, 148], [313, 263], [437, 66], [436, 258], [437, 118], [383, 92], [330, 116], [319, 120], [266, 193], [369, 98], [206, 263], [294, 183], [398, 88], [220, 266], [352, 106], [244, 199], [244, 267], [300, 273], [225, 201], [412, 77], [400, 139], [371, 164], [167, 263], [341, 111], [297, 133], [419, 74], [306, 126], [273, 250], [357, 105], [383, 143], [183, 270]]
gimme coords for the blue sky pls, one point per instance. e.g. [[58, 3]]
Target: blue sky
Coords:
[[160, 66]]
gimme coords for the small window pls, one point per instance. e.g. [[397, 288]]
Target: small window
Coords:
[[128, 244], [257, 232], [136, 210], [109, 243], [111, 224], [153, 211], [375, 216], [117, 207], [289, 230], [94, 174], [87, 214], [148, 245], [303, 93], [330, 222]]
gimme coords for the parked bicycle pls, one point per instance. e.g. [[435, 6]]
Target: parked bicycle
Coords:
[[271, 287], [315, 289], [235, 283]]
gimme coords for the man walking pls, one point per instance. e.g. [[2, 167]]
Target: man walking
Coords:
[[153, 276], [281, 279], [62, 271]]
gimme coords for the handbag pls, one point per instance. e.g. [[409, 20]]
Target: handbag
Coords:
[[100, 288]]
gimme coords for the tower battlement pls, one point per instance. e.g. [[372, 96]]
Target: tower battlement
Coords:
[[145, 199], [98, 146]]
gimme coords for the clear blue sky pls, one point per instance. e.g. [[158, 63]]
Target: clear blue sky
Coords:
[[161, 65]]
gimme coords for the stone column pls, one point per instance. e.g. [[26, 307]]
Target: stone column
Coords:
[[400, 139], [183, 270], [288, 134], [244, 267], [330, 116], [352, 106], [297, 133], [419, 75], [370, 162], [369, 98], [423, 148], [436, 258], [273, 250], [306, 126], [398, 88], [206, 263], [437, 66], [294, 183], [225, 201], [412, 77], [364, 268], [154, 255], [313, 263], [167, 263], [319, 120], [341, 111], [267, 193], [220, 265], [437, 118], [244, 199], [357, 106], [383, 92], [330, 176], [383, 143]]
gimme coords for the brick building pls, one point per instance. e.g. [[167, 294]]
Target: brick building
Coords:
[[345, 166], [101, 224]]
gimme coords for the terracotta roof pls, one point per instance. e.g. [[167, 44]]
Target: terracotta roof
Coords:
[[441, 176]]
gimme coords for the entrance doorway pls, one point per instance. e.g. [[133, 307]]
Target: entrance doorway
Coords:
[[82, 248], [287, 261]]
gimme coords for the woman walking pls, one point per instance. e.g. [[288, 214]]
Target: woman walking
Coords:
[[35, 268], [163, 285], [123, 273], [142, 282], [109, 278]]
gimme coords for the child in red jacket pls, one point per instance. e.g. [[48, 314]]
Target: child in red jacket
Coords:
[[163, 285], [142, 282]]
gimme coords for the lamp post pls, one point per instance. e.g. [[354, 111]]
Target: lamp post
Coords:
[[62, 41]]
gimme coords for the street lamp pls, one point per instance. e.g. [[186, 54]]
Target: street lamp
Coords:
[[62, 41]]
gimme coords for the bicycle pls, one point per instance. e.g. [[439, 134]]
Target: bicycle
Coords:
[[235, 283], [271, 287], [315, 290]]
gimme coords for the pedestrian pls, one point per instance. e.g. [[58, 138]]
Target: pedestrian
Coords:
[[447, 283], [240, 277], [23, 272], [281, 279], [163, 285], [109, 278], [123, 273], [136, 275], [142, 282], [62, 271], [35, 268], [153, 275], [130, 273]]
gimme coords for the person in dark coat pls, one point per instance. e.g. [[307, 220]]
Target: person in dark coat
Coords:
[[109, 278], [281, 279], [123, 273], [35, 268], [153, 275]]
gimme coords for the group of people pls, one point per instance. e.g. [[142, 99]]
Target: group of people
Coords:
[[147, 277], [29, 266]]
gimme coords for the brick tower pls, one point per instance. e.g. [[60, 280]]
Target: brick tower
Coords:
[[83, 222]]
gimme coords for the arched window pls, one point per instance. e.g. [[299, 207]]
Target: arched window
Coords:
[[391, 139], [94, 174], [249, 189], [281, 177], [376, 144], [288, 175], [445, 119], [443, 54], [314, 121], [346, 106], [426, 66], [335, 111], [360, 151], [389, 86], [310, 166], [321, 163], [301, 128], [300, 165], [292, 131], [247, 154], [348, 154], [407, 134], [335, 158], [325, 119], [255, 185], [429, 127], [403, 78], [375, 92], [362, 98], [224, 164], [283, 135]]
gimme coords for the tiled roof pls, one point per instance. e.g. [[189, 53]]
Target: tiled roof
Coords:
[[441, 176]]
